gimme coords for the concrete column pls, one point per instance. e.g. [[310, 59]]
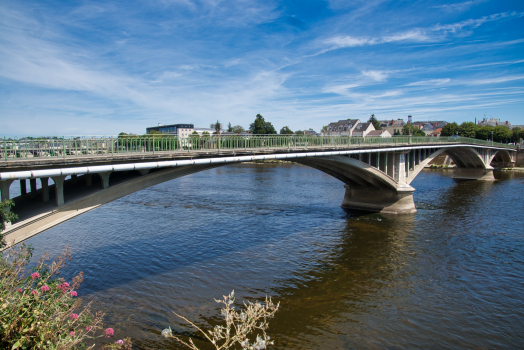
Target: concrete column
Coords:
[[105, 179], [23, 187], [400, 166], [89, 179], [4, 188], [59, 189], [32, 183], [74, 179], [143, 171], [45, 189]]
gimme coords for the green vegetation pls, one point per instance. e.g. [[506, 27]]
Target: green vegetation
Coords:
[[499, 133], [374, 121], [286, 131], [6, 215], [410, 129], [237, 129], [261, 127]]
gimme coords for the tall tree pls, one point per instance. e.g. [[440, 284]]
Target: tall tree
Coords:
[[261, 127], [411, 129], [374, 121], [286, 131], [229, 127], [468, 129], [450, 129]]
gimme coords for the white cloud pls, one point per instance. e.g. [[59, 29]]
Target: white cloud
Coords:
[[430, 82], [375, 75]]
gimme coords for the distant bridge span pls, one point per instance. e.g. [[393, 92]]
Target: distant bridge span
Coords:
[[376, 176]]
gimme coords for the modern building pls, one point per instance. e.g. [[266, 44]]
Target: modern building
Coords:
[[180, 130]]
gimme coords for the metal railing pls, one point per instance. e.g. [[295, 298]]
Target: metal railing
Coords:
[[74, 147]]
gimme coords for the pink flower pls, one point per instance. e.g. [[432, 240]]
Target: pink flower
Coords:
[[120, 341], [109, 332], [88, 328], [59, 287], [45, 288], [65, 285], [74, 316], [73, 294], [35, 275], [72, 333], [20, 290], [34, 292]]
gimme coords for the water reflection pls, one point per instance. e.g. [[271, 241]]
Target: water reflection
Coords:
[[448, 276]]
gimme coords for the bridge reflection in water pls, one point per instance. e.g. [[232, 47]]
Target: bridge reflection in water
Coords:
[[376, 172]]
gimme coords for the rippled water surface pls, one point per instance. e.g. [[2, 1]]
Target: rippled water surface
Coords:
[[450, 276]]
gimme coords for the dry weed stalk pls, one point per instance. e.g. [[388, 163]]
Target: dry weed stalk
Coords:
[[251, 320]]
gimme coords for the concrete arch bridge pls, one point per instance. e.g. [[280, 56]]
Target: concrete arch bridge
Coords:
[[376, 176]]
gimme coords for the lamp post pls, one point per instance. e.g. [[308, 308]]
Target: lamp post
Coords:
[[492, 137]]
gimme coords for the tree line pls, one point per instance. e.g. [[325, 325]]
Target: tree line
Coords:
[[498, 133]]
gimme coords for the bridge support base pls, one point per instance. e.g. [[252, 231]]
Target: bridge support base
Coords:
[[473, 174], [4, 188], [23, 187], [59, 190], [45, 189], [376, 200], [105, 179], [32, 184], [89, 179]]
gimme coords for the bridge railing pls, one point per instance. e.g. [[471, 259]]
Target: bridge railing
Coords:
[[74, 147]]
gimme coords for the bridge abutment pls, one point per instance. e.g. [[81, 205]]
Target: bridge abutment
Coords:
[[386, 201], [4, 188]]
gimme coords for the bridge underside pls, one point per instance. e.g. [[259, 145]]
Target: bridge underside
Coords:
[[376, 180]]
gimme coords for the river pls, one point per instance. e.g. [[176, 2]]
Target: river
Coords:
[[450, 276]]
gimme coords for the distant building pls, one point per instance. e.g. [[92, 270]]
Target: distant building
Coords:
[[179, 130], [362, 129], [435, 133], [495, 122], [392, 126], [311, 132], [378, 133], [341, 128]]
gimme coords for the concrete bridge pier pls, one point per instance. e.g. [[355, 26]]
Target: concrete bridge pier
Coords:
[[105, 179], [4, 188], [45, 189], [23, 187], [382, 200], [89, 179], [473, 174], [32, 184], [59, 189]]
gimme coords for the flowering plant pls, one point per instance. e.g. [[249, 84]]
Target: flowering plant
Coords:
[[38, 310]]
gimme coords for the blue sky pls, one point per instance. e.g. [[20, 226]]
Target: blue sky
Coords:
[[102, 67]]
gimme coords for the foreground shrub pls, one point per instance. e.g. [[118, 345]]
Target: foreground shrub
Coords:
[[240, 326], [38, 310]]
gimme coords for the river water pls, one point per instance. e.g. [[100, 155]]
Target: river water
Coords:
[[450, 276]]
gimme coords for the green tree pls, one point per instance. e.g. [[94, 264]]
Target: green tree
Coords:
[[324, 128], [521, 134], [449, 129], [229, 127], [396, 133], [205, 134], [261, 127], [237, 129], [6, 215], [374, 121], [285, 131], [194, 135], [216, 126], [515, 134], [501, 134], [484, 132], [410, 128], [468, 129], [299, 132]]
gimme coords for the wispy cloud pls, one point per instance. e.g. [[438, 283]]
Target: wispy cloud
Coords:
[[375, 75], [430, 82]]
